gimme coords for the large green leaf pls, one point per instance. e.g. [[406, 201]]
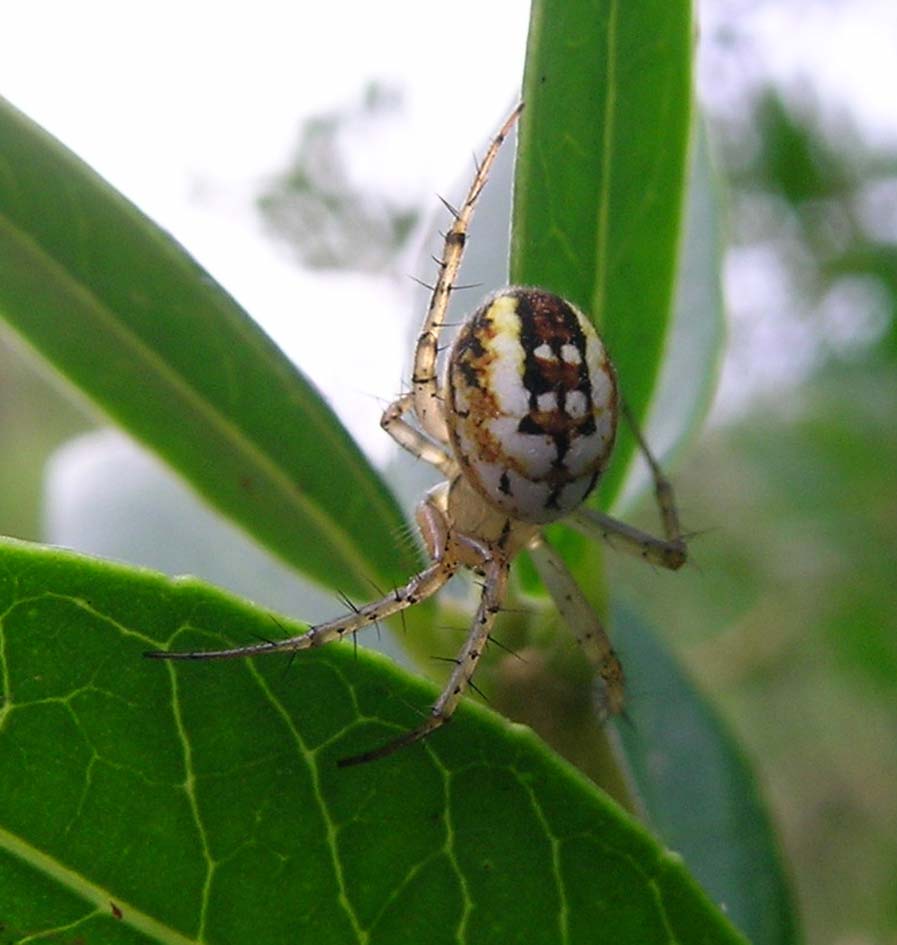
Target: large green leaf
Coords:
[[121, 310], [698, 791], [146, 802], [601, 174]]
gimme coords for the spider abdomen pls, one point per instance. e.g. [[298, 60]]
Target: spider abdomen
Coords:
[[531, 404]]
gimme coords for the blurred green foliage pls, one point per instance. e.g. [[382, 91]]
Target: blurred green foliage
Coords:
[[788, 616], [788, 620], [830, 202]]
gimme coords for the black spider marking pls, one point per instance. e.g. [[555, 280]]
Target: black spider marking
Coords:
[[503, 541], [471, 376], [469, 341], [546, 319], [467, 349]]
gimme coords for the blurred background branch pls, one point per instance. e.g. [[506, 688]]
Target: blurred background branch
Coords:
[[318, 208]]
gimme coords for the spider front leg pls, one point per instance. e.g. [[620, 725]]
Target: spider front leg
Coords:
[[420, 587], [424, 400], [434, 530], [427, 405], [582, 621], [669, 552], [495, 583], [394, 423]]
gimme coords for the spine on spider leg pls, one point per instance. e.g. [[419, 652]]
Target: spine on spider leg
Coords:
[[420, 587], [426, 394], [493, 592]]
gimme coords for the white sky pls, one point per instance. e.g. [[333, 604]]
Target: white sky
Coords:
[[845, 49], [187, 107]]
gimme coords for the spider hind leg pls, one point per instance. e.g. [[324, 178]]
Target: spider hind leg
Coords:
[[495, 585], [669, 552]]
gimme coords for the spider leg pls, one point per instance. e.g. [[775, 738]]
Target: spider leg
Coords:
[[669, 552], [582, 620], [413, 440], [418, 588], [663, 489], [427, 406], [494, 588]]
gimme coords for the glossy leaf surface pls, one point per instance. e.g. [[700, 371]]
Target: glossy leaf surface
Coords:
[[143, 801]]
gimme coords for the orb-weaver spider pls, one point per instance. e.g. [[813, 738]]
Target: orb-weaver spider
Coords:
[[522, 431]]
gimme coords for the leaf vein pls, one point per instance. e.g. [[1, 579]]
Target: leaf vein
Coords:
[[331, 830]]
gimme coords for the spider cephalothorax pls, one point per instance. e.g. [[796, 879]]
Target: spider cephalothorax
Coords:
[[521, 430]]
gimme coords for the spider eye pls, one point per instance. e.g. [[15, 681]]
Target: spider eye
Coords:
[[531, 404]]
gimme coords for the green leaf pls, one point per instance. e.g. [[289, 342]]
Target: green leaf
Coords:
[[601, 175], [698, 790], [142, 801], [696, 338], [697, 332], [122, 311]]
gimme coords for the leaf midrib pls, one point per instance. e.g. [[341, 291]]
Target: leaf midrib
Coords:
[[90, 892], [603, 214]]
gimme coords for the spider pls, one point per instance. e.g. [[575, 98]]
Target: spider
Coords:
[[522, 429]]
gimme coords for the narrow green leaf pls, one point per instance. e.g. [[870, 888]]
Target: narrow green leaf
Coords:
[[149, 802], [700, 795], [690, 364], [601, 175], [121, 310]]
